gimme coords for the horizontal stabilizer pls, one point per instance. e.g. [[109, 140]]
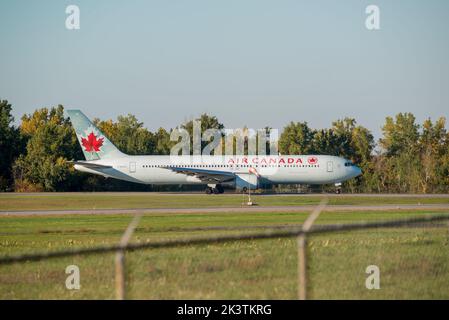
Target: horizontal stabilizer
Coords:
[[90, 165]]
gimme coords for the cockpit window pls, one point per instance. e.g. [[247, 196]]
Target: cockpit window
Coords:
[[349, 164]]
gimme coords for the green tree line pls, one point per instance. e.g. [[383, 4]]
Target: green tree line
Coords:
[[408, 158]]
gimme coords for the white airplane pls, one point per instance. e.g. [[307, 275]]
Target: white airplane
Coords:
[[240, 171]]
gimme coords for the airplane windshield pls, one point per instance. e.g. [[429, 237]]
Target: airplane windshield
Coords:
[[349, 164]]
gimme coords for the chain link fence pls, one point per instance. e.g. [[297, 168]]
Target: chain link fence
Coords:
[[394, 259]]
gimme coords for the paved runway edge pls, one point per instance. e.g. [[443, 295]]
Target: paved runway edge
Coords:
[[243, 209]]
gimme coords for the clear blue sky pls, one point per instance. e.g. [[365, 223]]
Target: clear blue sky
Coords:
[[249, 62]]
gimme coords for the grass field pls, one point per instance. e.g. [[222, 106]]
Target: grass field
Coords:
[[414, 261]]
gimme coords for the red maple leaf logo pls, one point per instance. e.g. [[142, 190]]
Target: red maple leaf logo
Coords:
[[312, 160], [92, 144]]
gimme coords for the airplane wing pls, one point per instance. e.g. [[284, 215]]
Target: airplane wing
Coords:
[[207, 176], [91, 165]]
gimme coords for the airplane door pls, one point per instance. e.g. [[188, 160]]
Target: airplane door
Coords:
[[330, 166], [132, 167]]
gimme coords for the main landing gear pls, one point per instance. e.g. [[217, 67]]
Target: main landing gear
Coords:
[[215, 189], [338, 188]]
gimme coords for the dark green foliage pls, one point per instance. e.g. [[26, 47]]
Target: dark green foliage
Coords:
[[11, 144], [51, 142]]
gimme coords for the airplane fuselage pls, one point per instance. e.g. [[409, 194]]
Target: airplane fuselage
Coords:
[[306, 169]]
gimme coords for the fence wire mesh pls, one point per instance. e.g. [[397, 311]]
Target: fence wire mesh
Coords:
[[247, 262]]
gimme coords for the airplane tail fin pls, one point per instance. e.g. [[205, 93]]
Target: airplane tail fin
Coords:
[[93, 142]]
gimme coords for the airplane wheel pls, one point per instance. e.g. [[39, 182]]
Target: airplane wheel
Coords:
[[208, 190], [338, 191], [215, 191], [245, 189]]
